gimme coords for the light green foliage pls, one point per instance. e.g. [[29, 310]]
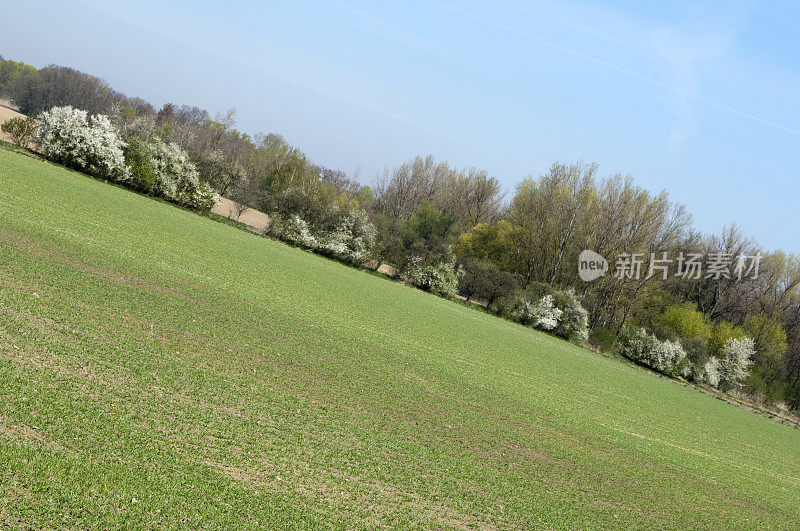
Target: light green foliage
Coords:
[[492, 242], [770, 341], [686, 322], [151, 381], [20, 129], [720, 334], [10, 73]]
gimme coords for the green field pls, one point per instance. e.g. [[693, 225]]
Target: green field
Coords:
[[158, 368]]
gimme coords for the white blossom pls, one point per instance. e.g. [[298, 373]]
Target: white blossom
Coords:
[[69, 136]]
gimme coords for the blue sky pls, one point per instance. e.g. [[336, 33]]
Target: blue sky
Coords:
[[699, 98]]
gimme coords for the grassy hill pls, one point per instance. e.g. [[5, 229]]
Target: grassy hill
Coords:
[[160, 368]]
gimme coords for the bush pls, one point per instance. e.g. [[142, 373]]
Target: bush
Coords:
[[721, 333], [139, 159], [710, 372], [176, 176], [164, 169], [70, 137], [574, 320], [603, 338], [20, 129], [353, 239], [737, 357], [636, 344], [542, 314], [688, 325], [440, 277], [296, 230], [204, 197], [510, 305], [483, 280], [667, 357]]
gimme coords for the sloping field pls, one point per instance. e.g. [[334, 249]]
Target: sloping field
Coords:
[[7, 113], [160, 369]]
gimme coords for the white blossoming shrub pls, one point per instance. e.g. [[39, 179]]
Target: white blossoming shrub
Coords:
[[669, 357], [441, 277], [164, 169], [738, 355], [204, 197], [542, 314], [296, 230], [91, 144], [352, 240], [710, 372], [573, 324], [636, 344], [176, 176]]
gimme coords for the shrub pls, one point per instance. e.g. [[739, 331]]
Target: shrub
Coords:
[[510, 305], [720, 334], [574, 320], [738, 356], [164, 169], [176, 176], [204, 197], [139, 159], [542, 314], [353, 239], [688, 325], [440, 277], [636, 344], [667, 357], [20, 129], [70, 137], [603, 338], [296, 230], [710, 372]]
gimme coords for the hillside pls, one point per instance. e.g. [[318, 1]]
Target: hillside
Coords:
[[163, 369]]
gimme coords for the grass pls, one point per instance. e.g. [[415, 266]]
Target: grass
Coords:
[[159, 368]]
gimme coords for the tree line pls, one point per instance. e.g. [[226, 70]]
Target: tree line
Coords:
[[452, 229]]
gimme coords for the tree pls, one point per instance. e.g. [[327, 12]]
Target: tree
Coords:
[[428, 232], [482, 280]]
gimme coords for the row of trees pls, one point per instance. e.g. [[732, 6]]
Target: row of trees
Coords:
[[453, 229]]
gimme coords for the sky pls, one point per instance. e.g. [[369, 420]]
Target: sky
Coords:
[[701, 99]]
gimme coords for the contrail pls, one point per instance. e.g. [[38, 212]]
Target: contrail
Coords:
[[618, 68]]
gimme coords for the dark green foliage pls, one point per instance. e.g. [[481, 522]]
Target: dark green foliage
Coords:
[[482, 280], [139, 158], [603, 338]]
